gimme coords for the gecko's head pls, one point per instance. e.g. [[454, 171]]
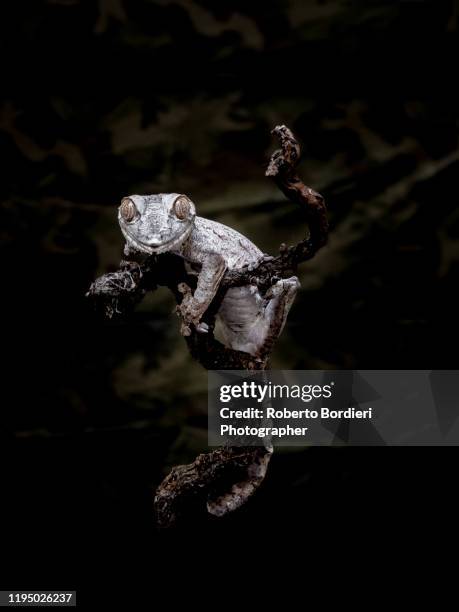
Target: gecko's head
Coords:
[[156, 223]]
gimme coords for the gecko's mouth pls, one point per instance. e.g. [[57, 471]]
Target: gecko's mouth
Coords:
[[156, 247]]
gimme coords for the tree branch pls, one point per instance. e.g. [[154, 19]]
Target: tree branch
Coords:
[[281, 169], [220, 481], [208, 479]]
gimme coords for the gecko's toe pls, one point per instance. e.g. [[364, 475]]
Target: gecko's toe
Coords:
[[202, 328]]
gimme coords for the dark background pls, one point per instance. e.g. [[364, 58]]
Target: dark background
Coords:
[[104, 99]]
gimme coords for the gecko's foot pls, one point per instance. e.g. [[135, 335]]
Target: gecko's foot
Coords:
[[190, 313], [284, 287]]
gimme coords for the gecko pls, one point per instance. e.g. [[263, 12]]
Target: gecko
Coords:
[[167, 223]]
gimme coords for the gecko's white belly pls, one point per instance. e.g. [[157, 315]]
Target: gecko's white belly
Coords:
[[240, 307], [238, 317], [251, 323]]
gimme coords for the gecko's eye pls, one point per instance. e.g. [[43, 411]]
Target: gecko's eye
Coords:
[[128, 210], [182, 206]]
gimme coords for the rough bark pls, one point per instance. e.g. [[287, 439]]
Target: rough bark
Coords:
[[220, 481]]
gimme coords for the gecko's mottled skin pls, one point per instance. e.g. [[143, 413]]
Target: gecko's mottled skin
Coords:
[[246, 321]]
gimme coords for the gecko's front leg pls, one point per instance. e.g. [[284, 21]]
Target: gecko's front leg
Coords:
[[193, 306]]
